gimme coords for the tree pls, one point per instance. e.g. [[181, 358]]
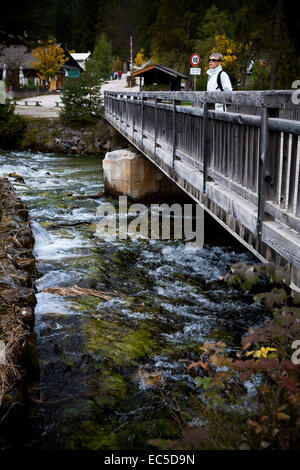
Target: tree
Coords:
[[49, 58], [174, 31], [12, 127], [236, 57], [271, 29], [140, 58], [100, 67], [215, 22], [82, 101]]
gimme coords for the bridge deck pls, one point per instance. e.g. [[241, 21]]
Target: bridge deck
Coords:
[[243, 167]]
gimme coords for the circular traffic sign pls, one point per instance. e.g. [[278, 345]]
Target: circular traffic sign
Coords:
[[195, 59]]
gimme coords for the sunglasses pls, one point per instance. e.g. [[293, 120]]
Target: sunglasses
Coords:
[[214, 60]]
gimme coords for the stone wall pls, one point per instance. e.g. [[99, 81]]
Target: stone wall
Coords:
[[17, 300]]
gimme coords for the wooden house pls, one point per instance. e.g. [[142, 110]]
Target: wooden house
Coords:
[[16, 67], [158, 77]]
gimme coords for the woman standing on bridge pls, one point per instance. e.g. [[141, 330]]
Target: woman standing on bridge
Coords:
[[215, 67]]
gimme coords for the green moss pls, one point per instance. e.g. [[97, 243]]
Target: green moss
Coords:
[[91, 436], [86, 302], [119, 344], [225, 336]]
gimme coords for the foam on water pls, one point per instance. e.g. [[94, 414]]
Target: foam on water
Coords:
[[59, 248], [41, 236], [57, 278], [52, 303]]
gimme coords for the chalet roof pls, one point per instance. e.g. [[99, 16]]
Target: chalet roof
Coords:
[[80, 55], [21, 56], [161, 68], [71, 63]]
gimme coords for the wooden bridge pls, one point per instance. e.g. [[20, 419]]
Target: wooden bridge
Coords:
[[242, 165]]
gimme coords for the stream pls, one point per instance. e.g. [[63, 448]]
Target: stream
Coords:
[[113, 372]]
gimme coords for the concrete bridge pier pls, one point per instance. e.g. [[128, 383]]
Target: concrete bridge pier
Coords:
[[128, 173]]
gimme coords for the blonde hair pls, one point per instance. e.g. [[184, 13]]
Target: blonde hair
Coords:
[[217, 55]]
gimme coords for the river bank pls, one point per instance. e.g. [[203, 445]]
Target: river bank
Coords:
[[49, 135], [17, 302]]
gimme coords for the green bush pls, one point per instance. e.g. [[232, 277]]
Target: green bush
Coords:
[[12, 127]]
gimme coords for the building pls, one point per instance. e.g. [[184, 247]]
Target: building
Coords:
[[158, 77], [17, 69]]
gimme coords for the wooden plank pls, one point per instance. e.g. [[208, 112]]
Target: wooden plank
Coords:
[[206, 144], [174, 132], [293, 167], [283, 241], [284, 169], [256, 146], [155, 126], [261, 174], [246, 172], [298, 196]]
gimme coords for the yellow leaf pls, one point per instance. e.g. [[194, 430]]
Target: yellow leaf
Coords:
[[249, 353], [283, 407], [283, 416]]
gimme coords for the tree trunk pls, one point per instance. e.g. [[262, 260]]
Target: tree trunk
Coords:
[[53, 84]]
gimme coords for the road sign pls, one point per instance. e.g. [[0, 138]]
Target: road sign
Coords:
[[195, 71], [195, 59]]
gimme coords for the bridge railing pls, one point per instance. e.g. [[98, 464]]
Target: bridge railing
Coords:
[[254, 153]]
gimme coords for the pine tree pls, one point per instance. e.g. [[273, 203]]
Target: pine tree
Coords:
[[100, 67], [82, 101]]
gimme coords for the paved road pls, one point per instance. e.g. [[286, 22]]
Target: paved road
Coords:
[[48, 103]]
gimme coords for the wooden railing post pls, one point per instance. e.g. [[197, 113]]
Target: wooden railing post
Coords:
[[206, 141], [142, 120], [127, 111], [263, 149], [174, 133], [133, 116], [155, 124], [268, 166]]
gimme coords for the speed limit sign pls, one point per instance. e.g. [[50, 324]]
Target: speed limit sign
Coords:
[[195, 59]]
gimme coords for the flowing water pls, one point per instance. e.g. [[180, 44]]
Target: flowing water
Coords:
[[113, 372]]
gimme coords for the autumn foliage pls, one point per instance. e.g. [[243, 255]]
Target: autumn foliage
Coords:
[[49, 58], [250, 398], [236, 56]]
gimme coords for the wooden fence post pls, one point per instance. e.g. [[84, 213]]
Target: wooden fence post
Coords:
[[268, 168], [133, 116], [155, 125], [261, 171], [205, 142], [142, 120], [174, 134]]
